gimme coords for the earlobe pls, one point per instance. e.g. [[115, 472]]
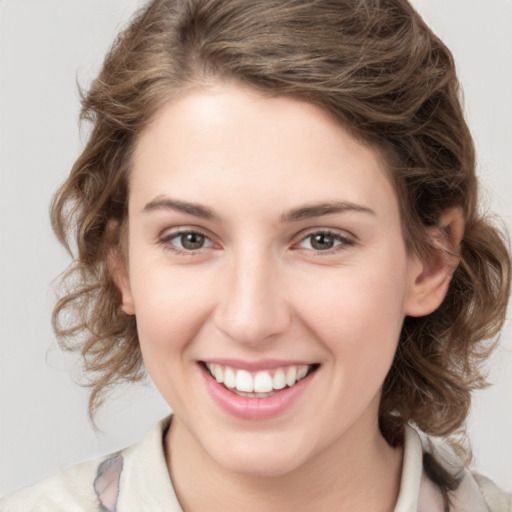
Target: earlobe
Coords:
[[119, 271], [430, 276]]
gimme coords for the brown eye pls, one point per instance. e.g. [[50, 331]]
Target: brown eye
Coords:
[[325, 241], [185, 242], [322, 241], [191, 241]]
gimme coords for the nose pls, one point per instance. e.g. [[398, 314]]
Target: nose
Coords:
[[252, 307]]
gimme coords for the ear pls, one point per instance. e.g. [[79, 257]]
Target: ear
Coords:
[[118, 266], [118, 269], [430, 275]]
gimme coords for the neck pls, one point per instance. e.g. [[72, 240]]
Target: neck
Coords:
[[360, 472]]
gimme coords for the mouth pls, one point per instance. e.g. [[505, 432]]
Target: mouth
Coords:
[[258, 384]]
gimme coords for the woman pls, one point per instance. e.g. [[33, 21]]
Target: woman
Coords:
[[276, 214]]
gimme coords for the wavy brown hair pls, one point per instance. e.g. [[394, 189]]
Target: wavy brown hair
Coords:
[[379, 70]]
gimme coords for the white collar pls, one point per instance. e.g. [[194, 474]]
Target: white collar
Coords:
[[419, 494], [145, 483], [412, 470]]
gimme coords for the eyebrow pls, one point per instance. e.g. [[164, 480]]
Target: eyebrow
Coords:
[[193, 209], [309, 211]]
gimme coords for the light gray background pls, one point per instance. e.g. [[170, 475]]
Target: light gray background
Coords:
[[44, 47]]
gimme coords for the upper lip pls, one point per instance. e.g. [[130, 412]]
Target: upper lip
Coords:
[[252, 366]]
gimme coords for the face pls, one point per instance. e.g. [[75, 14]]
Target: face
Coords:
[[264, 248]]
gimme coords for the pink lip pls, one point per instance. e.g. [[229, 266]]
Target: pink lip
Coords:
[[254, 408], [254, 366]]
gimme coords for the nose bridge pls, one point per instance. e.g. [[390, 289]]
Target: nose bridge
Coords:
[[252, 308]]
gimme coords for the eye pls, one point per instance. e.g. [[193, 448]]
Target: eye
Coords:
[[186, 241], [323, 241]]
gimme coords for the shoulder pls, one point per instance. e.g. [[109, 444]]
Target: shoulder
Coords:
[[496, 499], [474, 488], [471, 491], [136, 476], [70, 491], [466, 491]]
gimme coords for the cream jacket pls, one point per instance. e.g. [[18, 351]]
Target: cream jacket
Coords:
[[137, 480]]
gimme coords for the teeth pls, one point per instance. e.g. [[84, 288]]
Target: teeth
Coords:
[[219, 374], [244, 381], [279, 380], [229, 378], [291, 376], [301, 373], [259, 384], [263, 382]]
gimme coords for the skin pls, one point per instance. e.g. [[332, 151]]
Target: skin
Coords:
[[257, 289]]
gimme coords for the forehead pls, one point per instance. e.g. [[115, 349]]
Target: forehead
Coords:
[[232, 140]]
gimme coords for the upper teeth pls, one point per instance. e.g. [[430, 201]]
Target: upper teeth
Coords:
[[258, 382]]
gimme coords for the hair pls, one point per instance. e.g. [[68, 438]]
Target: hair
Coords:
[[380, 71]]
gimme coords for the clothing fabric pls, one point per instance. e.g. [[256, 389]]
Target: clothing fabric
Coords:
[[136, 479]]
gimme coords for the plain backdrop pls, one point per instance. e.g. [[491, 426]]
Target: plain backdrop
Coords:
[[45, 47]]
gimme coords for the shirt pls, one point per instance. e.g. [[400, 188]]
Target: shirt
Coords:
[[136, 479]]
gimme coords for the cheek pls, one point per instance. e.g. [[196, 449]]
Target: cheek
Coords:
[[170, 308], [358, 316], [170, 313]]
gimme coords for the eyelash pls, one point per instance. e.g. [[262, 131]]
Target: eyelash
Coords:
[[344, 241], [167, 242]]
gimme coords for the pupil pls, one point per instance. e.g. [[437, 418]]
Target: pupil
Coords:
[[322, 241], [192, 241]]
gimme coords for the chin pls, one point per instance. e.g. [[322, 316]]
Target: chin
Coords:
[[256, 461]]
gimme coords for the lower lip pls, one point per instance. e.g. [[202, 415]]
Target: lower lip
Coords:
[[255, 408]]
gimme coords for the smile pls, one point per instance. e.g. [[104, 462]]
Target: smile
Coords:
[[257, 391], [258, 384]]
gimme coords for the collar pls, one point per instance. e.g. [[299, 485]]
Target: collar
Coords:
[[412, 471], [419, 494], [145, 483]]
